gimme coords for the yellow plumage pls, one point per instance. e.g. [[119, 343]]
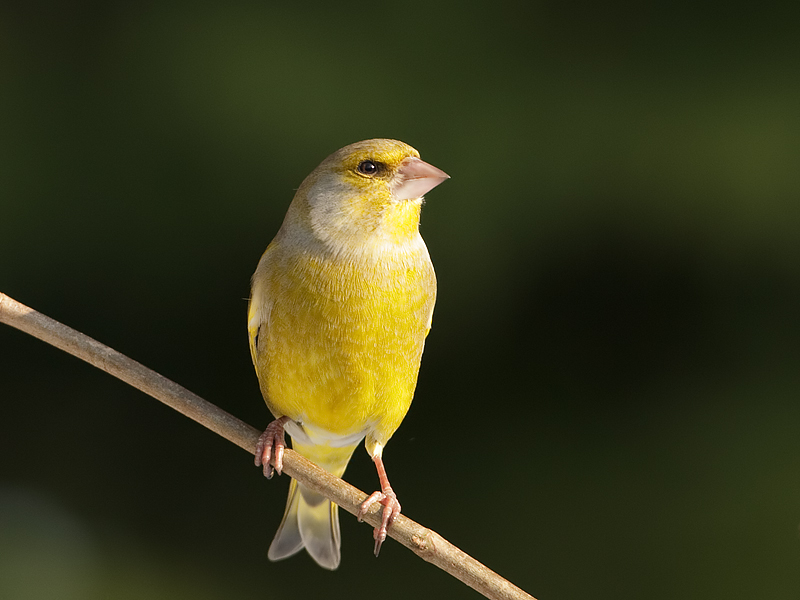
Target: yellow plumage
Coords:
[[341, 303]]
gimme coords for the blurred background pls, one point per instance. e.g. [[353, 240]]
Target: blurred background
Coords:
[[608, 402]]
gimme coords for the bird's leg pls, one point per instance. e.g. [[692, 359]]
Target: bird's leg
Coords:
[[272, 440], [387, 497]]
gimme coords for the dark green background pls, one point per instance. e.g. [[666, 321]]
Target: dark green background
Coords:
[[609, 400]]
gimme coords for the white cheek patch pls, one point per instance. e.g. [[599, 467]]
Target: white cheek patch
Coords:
[[326, 209]]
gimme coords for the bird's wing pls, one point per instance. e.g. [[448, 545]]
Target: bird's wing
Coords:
[[430, 322], [260, 306]]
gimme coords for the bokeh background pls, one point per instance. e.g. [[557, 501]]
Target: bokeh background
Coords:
[[609, 400]]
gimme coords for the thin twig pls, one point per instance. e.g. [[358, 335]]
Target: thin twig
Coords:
[[424, 542]]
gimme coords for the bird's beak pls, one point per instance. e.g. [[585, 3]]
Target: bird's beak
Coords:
[[415, 178]]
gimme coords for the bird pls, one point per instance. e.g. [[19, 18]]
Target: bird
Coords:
[[341, 304]]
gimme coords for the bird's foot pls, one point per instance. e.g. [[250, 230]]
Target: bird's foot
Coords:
[[391, 508], [271, 442]]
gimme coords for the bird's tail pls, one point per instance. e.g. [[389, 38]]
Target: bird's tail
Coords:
[[311, 521]]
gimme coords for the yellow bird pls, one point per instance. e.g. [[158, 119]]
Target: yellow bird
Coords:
[[341, 302]]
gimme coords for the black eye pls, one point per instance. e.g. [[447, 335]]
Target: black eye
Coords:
[[367, 167]]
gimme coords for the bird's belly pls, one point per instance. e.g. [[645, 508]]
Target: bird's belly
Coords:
[[345, 363]]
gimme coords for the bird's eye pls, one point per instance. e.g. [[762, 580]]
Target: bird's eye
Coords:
[[367, 167]]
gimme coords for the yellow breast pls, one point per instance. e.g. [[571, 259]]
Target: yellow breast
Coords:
[[339, 342]]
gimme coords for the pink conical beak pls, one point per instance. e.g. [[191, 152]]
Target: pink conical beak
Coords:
[[415, 178]]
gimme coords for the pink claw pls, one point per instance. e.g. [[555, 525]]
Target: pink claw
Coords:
[[271, 440], [391, 506]]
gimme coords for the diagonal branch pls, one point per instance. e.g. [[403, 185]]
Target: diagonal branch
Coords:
[[424, 542]]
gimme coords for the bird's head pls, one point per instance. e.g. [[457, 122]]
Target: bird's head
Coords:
[[367, 193]]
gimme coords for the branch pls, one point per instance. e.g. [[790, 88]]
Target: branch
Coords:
[[424, 542]]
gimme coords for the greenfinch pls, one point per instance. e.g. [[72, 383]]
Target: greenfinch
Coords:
[[341, 303]]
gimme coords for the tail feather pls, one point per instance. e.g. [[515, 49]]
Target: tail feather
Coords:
[[311, 521], [318, 519], [288, 540]]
